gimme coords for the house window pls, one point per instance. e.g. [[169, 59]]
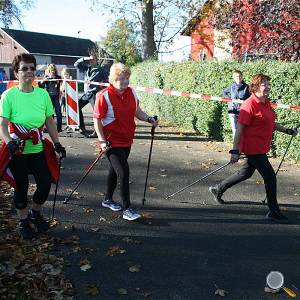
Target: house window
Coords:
[[202, 55]]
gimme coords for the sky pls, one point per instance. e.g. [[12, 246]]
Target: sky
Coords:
[[64, 17], [75, 18]]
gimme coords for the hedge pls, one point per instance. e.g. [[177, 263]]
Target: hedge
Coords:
[[209, 118]]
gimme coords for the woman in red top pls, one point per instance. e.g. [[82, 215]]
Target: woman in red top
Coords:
[[114, 113], [253, 137]]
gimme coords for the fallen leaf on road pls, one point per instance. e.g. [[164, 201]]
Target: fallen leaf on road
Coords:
[[129, 240], [114, 250], [88, 210], [54, 222], [122, 291], [221, 292], [100, 194], [85, 265], [147, 216], [95, 229], [92, 291], [152, 188], [135, 268], [147, 295], [102, 219], [259, 182]]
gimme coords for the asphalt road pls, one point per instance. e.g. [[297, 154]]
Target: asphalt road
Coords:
[[187, 246]]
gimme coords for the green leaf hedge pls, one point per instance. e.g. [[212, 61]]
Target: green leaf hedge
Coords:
[[209, 118]]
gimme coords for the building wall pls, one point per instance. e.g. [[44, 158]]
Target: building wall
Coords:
[[8, 48], [202, 41]]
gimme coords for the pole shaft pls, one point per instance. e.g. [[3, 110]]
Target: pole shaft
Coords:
[[84, 176], [193, 183]]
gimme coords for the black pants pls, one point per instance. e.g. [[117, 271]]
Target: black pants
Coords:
[[36, 164], [83, 101], [57, 108], [260, 163], [118, 172]]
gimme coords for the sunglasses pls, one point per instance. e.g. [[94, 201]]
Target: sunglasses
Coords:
[[25, 69]]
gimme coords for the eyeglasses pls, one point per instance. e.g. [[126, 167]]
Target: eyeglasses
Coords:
[[25, 69]]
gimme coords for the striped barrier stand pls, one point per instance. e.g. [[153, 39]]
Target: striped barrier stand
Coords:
[[72, 108]]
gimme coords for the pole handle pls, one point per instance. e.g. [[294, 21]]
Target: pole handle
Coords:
[[153, 127]]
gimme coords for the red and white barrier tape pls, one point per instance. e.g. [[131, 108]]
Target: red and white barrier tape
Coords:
[[152, 90]]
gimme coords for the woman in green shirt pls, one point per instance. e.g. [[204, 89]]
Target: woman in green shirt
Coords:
[[24, 110]]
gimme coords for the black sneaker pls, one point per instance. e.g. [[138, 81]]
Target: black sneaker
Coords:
[[217, 194], [38, 221], [25, 230], [277, 216]]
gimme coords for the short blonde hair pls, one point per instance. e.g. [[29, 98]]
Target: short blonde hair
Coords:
[[116, 70]]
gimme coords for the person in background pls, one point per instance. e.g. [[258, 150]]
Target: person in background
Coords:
[[93, 72], [114, 112], [253, 137], [239, 90], [3, 77], [65, 75], [24, 111], [53, 88]]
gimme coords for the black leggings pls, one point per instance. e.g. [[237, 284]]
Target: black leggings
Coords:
[[83, 101], [260, 163], [36, 164], [118, 171]]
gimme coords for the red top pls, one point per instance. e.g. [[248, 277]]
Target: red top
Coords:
[[259, 119], [117, 112]]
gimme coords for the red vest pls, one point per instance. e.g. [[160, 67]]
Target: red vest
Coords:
[[22, 133]]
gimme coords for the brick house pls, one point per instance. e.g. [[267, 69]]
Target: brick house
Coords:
[[239, 29], [62, 51]]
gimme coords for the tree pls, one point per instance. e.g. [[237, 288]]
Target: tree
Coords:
[[272, 26], [121, 42], [10, 11], [159, 20], [262, 28]]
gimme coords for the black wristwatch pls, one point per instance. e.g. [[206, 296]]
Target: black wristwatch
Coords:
[[234, 151]]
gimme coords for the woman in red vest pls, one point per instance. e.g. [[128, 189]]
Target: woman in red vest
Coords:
[[114, 112], [253, 137]]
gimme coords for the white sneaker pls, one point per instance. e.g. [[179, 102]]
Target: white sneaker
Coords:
[[130, 215], [111, 204]]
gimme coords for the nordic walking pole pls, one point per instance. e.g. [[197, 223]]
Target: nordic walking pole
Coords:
[[205, 176], [285, 152], [149, 160], [56, 186], [87, 172]]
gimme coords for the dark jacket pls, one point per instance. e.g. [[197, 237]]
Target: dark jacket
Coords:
[[52, 87], [3, 77], [92, 73], [236, 91]]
